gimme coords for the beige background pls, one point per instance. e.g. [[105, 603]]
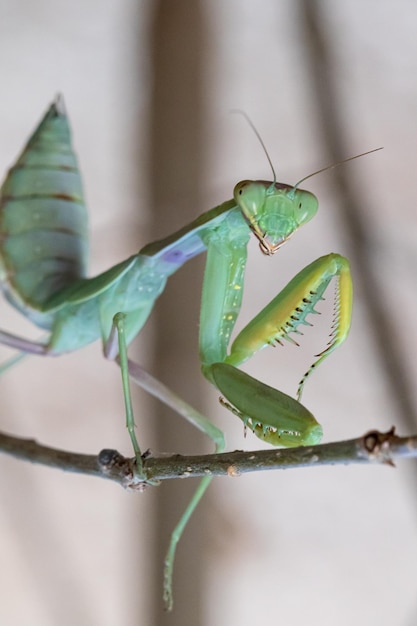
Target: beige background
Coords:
[[149, 87]]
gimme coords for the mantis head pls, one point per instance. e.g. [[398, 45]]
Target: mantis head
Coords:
[[274, 211]]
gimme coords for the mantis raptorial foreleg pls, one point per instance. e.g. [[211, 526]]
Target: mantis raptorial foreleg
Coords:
[[290, 308], [43, 246]]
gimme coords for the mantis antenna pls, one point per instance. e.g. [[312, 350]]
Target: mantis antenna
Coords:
[[323, 169], [330, 167], [255, 130]]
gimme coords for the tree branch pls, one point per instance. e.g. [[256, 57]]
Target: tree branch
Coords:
[[373, 447]]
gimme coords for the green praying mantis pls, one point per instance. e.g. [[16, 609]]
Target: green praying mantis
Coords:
[[43, 249]]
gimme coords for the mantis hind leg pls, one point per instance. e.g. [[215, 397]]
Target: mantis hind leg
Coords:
[[26, 348], [168, 397], [157, 389]]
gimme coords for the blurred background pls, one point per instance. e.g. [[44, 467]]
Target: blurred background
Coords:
[[149, 87]]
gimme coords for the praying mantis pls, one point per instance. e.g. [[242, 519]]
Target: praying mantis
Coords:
[[43, 248]]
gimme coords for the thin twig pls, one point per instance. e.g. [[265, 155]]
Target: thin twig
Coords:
[[373, 447]]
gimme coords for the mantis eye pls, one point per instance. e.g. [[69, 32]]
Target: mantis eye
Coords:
[[307, 207], [250, 197]]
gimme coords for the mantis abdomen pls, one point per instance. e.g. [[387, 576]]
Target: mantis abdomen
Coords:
[[43, 219]]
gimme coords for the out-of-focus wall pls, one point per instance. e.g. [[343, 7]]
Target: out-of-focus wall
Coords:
[[327, 545]]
